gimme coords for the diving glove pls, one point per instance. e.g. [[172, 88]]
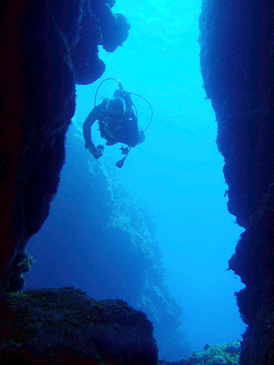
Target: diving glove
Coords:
[[97, 152]]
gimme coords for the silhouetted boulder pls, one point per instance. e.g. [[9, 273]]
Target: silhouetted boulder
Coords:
[[65, 326]]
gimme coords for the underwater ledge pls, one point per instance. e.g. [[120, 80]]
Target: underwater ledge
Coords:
[[64, 326]]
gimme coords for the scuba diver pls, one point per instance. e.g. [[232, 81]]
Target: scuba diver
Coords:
[[118, 123]]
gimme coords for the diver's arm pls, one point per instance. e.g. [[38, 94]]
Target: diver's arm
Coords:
[[97, 152], [90, 120]]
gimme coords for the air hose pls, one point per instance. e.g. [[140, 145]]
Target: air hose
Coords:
[[109, 78], [121, 88]]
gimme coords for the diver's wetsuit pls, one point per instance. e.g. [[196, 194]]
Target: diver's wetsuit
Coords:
[[126, 133]]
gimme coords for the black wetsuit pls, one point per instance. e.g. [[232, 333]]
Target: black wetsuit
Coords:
[[127, 131]]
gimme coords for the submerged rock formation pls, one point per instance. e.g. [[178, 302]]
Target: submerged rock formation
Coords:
[[64, 326], [237, 66], [45, 48]]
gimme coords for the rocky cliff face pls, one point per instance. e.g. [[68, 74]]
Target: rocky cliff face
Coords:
[[46, 47], [237, 65]]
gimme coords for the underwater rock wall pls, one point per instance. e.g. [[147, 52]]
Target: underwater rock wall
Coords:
[[45, 48], [237, 57]]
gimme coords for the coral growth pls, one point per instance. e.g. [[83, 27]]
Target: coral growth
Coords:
[[226, 354]]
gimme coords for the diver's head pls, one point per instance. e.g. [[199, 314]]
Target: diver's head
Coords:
[[116, 107]]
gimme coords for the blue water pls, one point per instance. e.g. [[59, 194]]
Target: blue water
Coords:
[[177, 172]]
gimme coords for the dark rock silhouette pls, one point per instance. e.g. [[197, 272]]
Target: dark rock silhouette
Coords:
[[237, 66], [45, 48], [64, 326]]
